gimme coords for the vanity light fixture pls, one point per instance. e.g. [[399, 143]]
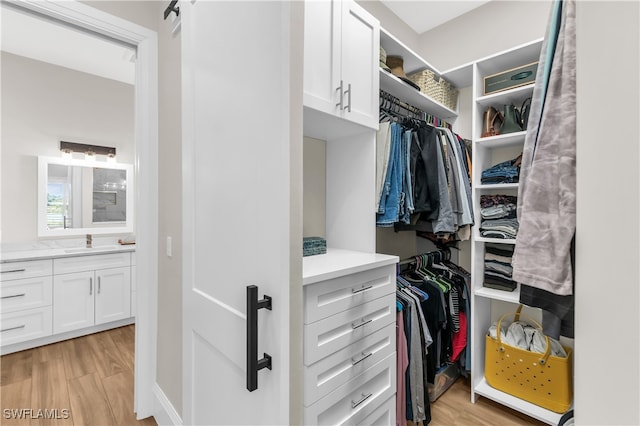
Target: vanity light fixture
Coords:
[[90, 151]]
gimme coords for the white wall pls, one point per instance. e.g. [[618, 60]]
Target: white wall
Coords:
[[314, 187], [488, 29], [391, 23], [43, 104], [607, 344]]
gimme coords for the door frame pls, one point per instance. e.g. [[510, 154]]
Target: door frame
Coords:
[[146, 173]]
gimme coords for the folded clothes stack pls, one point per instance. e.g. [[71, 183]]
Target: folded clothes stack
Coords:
[[497, 267], [505, 172], [498, 216]]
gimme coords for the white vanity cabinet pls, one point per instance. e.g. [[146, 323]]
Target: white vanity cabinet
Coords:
[[91, 290], [25, 300], [341, 54], [50, 295], [349, 338]]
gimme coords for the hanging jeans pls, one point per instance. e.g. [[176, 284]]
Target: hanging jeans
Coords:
[[389, 210]]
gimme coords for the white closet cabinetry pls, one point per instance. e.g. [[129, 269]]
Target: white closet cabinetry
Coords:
[[91, 290], [341, 51], [488, 304], [349, 337]]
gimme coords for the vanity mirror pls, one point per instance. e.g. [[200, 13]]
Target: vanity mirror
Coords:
[[78, 197]]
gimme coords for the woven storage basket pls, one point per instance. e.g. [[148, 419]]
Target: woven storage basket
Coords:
[[542, 379], [435, 87]]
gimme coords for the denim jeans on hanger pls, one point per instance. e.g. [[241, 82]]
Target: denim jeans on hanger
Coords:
[[389, 210]]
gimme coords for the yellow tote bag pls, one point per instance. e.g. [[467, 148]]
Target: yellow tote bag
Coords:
[[541, 379]]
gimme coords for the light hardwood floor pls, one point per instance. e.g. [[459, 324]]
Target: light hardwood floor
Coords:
[[91, 377]]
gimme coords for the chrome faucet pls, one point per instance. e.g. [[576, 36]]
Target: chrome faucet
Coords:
[[89, 240]]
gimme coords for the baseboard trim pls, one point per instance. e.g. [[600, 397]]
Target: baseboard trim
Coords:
[[164, 412]]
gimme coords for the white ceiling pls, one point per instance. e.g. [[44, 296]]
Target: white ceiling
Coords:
[[424, 15], [47, 41]]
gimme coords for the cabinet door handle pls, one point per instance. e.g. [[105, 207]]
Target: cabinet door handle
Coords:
[[354, 326], [99, 285], [13, 270], [90, 286], [253, 363], [348, 107], [13, 295], [360, 290], [12, 328], [364, 356], [354, 404], [339, 104]]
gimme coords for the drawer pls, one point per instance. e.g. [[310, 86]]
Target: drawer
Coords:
[[26, 294], [384, 415], [329, 297], [28, 269], [354, 401], [25, 325], [331, 372], [67, 265], [324, 337]]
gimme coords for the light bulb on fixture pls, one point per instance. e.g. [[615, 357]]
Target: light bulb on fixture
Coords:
[[90, 155], [66, 154], [111, 158]]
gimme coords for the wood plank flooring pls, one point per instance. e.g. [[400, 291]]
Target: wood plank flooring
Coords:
[[454, 407], [90, 377]]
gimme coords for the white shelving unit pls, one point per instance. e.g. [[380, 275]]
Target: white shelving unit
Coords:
[[412, 62], [487, 304]]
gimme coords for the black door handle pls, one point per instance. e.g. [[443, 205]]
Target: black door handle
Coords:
[[253, 363]]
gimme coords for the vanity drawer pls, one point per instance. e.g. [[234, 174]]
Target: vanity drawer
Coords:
[[329, 297], [28, 269], [356, 400], [67, 265], [26, 325], [330, 373], [324, 337], [27, 293], [384, 415]]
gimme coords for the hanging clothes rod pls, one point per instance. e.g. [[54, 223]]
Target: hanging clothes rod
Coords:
[[387, 101], [446, 255]]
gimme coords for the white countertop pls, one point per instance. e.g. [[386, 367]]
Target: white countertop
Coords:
[[50, 253], [337, 263]]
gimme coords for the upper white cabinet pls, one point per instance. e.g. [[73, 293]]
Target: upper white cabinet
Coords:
[[341, 54]]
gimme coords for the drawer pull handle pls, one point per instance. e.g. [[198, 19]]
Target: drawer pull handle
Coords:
[[13, 270], [13, 295], [364, 356], [99, 285], [360, 290], [90, 286], [354, 326], [354, 404], [12, 328]]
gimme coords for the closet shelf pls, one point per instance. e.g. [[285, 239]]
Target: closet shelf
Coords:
[[412, 62], [338, 262], [393, 85], [498, 186], [501, 141], [495, 240], [518, 404], [493, 294], [512, 96]]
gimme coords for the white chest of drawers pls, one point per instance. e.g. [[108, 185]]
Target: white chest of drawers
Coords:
[[349, 339]]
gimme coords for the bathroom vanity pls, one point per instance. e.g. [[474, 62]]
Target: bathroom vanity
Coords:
[[56, 294]]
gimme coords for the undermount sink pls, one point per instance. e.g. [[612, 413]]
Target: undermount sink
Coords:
[[90, 249]]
